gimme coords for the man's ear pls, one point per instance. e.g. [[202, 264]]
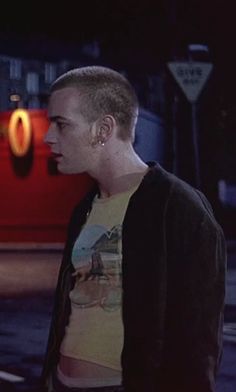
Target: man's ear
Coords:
[[102, 129], [106, 127]]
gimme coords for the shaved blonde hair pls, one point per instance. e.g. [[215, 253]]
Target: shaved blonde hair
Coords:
[[103, 92]]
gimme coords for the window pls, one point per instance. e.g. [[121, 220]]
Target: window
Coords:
[[50, 72], [15, 69], [32, 83]]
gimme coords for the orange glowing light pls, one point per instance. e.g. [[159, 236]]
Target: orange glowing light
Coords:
[[19, 148]]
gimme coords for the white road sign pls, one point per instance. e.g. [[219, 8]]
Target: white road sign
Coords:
[[191, 77]]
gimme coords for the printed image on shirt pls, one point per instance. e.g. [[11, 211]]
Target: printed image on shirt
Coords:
[[96, 258]]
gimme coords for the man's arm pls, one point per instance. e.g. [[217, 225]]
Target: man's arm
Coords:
[[195, 301]]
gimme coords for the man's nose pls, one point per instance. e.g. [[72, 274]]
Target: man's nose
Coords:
[[49, 137]]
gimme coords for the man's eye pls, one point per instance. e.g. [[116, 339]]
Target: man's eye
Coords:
[[61, 125]]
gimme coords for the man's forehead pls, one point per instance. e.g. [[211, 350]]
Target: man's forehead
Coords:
[[64, 99], [69, 93]]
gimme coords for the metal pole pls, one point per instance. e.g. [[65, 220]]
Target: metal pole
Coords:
[[195, 145], [175, 143]]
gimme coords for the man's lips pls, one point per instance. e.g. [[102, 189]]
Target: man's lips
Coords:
[[56, 155]]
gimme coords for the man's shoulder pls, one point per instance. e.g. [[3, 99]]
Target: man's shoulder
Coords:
[[187, 209], [180, 195]]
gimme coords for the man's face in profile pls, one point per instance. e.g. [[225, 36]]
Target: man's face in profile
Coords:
[[69, 135]]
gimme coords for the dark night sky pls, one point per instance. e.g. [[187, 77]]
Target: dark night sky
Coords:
[[134, 33], [139, 36]]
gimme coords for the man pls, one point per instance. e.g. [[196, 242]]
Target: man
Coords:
[[139, 301]]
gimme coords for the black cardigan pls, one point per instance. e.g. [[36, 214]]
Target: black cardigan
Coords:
[[173, 272]]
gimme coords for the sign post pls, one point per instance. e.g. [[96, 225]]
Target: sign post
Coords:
[[191, 77]]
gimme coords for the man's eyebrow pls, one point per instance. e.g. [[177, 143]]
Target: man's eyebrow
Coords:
[[57, 118]]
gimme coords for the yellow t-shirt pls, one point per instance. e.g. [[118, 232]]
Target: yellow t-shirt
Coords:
[[95, 330]]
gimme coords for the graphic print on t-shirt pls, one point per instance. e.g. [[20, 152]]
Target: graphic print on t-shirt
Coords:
[[96, 258]]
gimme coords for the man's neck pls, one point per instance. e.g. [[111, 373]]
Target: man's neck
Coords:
[[122, 184], [117, 167], [122, 180]]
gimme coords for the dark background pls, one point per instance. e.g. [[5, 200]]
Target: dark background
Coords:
[[134, 34]]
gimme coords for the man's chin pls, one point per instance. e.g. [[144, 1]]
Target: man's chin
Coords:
[[62, 169], [66, 170]]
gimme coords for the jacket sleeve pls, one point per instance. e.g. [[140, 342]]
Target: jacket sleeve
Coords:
[[195, 301], [61, 304]]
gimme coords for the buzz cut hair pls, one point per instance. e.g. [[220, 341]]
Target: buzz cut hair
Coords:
[[104, 91]]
